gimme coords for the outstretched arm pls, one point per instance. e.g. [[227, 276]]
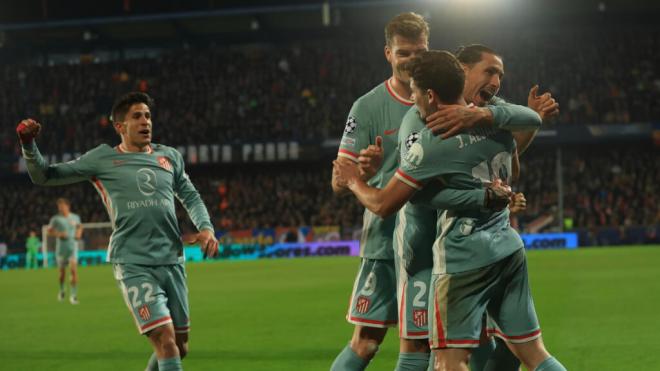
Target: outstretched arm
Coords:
[[39, 170]]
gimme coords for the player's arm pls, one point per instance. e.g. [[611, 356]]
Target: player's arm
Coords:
[[356, 147], [450, 120], [545, 106], [39, 170], [189, 197], [382, 202], [495, 196]]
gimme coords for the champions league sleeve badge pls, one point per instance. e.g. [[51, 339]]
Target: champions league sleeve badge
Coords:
[[412, 138], [351, 125]]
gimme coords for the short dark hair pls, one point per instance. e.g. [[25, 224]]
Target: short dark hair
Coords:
[[124, 103], [472, 53], [409, 25], [439, 71], [63, 200]]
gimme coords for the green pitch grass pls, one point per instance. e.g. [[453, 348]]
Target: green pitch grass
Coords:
[[598, 310]]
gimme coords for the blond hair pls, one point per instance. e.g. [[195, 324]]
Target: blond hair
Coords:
[[409, 25]]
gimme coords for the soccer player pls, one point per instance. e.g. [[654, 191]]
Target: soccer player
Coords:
[[138, 181], [484, 71], [373, 303], [479, 260], [32, 246], [66, 228]]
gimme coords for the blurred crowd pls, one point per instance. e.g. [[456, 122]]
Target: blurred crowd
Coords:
[[303, 91], [603, 187]]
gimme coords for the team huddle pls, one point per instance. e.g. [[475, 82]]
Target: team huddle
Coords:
[[431, 154]]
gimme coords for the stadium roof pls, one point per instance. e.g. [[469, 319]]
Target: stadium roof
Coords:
[[58, 23]]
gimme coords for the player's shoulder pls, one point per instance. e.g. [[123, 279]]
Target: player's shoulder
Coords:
[[173, 154], [496, 101], [373, 99], [411, 125], [165, 150], [101, 149], [433, 147]]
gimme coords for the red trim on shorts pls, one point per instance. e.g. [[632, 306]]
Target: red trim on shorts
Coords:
[[372, 321], [418, 333], [442, 341], [395, 96], [409, 178], [494, 331], [156, 322]]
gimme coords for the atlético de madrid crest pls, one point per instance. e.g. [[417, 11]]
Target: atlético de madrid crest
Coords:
[[362, 305], [164, 163], [420, 317], [144, 312]]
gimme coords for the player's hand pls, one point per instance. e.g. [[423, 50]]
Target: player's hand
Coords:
[[498, 195], [207, 242], [450, 120], [371, 159], [27, 130], [545, 105], [518, 203], [346, 172]]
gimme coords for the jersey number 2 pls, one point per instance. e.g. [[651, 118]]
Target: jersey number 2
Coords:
[[134, 292]]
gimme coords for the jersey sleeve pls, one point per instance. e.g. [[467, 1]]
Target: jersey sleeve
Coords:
[[188, 195], [435, 196], [422, 162], [42, 173], [356, 132], [52, 223], [513, 117]]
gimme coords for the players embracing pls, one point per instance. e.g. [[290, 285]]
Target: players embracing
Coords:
[[413, 230]]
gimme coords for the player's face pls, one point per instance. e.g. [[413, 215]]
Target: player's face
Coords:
[[136, 127], [422, 100], [63, 207], [401, 52], [483, 79]]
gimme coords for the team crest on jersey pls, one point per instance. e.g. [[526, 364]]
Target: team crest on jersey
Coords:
[[164, 163], [351, 125], [412, 139], [415, 155], [144, 312], [420, 317], [362, 305]]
